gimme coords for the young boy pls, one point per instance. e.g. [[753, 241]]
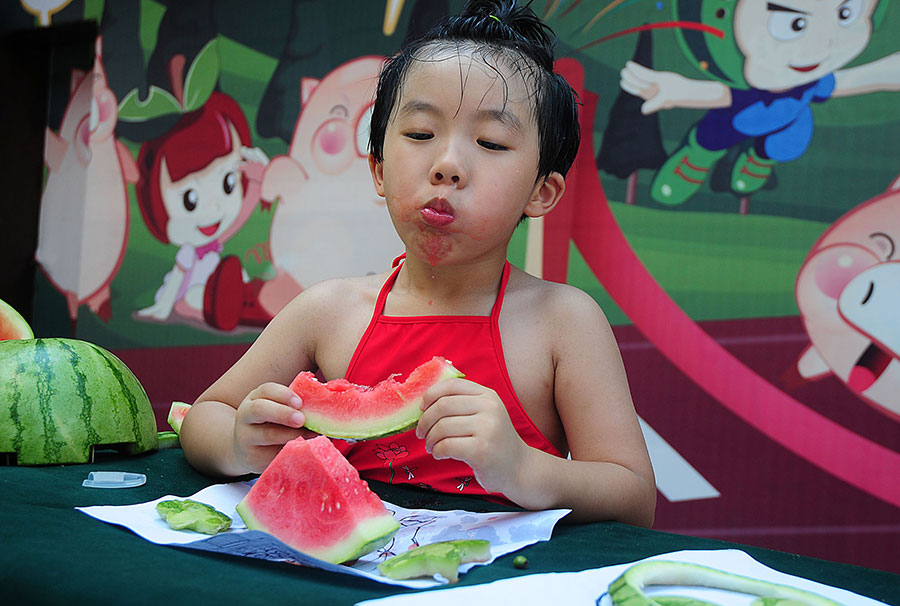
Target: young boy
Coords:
[[471, 131]]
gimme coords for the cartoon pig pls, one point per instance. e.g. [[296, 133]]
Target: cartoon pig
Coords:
[[84, 208], [848, 291], [328, 221]]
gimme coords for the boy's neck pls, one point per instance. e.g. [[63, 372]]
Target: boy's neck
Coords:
[[448, 289]]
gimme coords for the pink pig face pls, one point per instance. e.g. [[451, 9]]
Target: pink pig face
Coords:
[[848, 292], [328, 221]]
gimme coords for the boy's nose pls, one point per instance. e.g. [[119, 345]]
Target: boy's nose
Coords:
[[440, 177], [448, 171]]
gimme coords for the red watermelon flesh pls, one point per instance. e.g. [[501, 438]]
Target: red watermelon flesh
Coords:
[[312, 499], [12, 324], [341, 409], [177, 412]]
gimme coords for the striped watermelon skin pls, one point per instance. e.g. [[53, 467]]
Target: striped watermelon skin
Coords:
[[59, 398]]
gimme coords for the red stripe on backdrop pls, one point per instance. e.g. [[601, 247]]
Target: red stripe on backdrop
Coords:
[[584, 217]]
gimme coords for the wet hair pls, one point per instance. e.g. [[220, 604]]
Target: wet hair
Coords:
[[198, 138], [505, 32]]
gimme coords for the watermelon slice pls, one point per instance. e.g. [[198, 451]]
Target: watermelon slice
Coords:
[[12, 324], [312, 499], [176, 415], [341, 409]]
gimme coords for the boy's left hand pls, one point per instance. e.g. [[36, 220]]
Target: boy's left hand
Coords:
[[468, 422]]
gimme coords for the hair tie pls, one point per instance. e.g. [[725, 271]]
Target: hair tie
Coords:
[[495, 18]]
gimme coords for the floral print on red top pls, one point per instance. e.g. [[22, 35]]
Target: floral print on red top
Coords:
[[388, 453]]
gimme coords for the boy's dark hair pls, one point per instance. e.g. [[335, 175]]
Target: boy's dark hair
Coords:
[[511, 32]]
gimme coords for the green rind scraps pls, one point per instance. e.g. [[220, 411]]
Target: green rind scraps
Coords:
[[193, 515], [441, 558], [628, 589]]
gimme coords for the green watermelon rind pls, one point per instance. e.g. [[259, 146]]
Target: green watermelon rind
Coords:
[[367, 536], [59, 398], [368, 428], [12, 320], [443, 558]]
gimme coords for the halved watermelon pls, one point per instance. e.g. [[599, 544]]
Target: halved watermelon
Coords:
[[310, 498], [12, 324], [60, 399], [341, 409]]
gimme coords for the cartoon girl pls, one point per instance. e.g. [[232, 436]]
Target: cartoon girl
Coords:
[[774, 60], [198, 185]]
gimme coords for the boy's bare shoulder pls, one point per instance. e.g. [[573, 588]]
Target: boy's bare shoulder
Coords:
[[343, 292], [554, 301], [333, 300]]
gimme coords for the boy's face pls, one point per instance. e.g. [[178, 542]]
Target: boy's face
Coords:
[[788, 43], [460, 157]]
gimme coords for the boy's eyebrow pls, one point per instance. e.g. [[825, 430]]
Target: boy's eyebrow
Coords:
[[504, 116], [771, 6]]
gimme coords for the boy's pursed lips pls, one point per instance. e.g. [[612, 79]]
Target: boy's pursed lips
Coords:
[[437, 212]]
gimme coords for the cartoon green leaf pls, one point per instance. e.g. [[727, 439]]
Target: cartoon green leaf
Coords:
[[202, 76], [158, 103]]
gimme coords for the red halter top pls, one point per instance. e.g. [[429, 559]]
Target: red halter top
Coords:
[[393, 344]]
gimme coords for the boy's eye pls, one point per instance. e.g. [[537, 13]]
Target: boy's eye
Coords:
[[491, 145], [419, 136], [190, 199]]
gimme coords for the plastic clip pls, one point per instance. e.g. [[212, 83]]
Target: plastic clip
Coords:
[[114, 479]]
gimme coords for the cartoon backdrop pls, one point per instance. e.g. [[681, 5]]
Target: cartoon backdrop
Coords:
[[735, 209]]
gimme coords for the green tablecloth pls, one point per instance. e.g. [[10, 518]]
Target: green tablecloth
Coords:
[[52, 553]]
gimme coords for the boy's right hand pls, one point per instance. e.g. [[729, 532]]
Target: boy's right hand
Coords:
[[268, 417]]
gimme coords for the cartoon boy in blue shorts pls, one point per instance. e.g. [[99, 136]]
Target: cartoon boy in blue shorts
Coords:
[[776, 58]]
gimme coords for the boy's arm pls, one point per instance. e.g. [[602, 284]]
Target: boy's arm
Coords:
[[241, 421], [609, 476]]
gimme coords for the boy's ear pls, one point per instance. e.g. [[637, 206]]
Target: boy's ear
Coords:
[[546, 195], [377, 170]]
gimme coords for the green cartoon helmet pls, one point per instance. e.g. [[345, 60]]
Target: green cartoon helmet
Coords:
[[720, 58]]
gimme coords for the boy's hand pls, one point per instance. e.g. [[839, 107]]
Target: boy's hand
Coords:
[[467, 421], [268, 418]]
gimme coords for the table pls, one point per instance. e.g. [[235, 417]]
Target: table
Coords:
[[52, 553]]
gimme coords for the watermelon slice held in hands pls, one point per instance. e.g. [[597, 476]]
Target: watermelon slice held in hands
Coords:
[[341, 409], [12, 324], [310, 498]]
